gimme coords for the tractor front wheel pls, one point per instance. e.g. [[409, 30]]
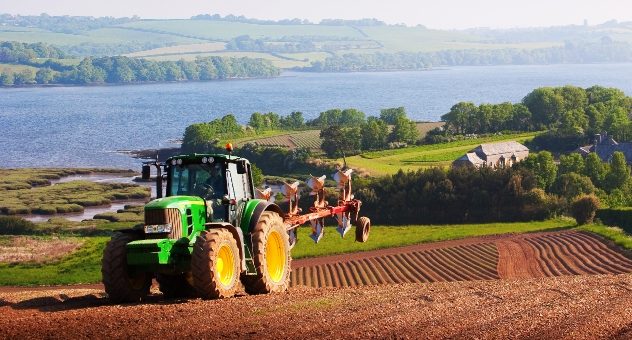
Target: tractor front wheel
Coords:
[[122, 284], [363, 227], [215, 264], [271, 254]]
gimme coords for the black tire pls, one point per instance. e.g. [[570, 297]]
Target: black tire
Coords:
[[175, 286], [205, 260], [363, 227], [122, 284], [269, 228]]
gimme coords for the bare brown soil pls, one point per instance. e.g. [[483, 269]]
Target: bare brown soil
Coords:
[[487, 258], [543, 292]]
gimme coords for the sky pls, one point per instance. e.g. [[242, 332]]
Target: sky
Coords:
[[443, 14]]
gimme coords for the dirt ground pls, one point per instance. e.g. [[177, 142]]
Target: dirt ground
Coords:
[[565, 285]]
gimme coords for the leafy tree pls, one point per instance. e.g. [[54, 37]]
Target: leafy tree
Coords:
[[44, 76], [543, 168], [390, 116], [572, 185], [595, 169], [374, 134], [293, 122], [405, 130], [339, 141], [574, 98], [573, 162], [352, 118], [619, 173], [521, 119], [585, 208], [546, 106], [6, 78], [257, 121], [461, 117]]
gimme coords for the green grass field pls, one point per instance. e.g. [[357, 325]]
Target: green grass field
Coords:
[[424, 156], [226, 30]]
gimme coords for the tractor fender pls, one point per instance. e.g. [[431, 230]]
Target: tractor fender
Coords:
[[259, 209], [238, 235]]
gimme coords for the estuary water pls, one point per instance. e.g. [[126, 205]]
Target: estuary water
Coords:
[[85, 126]]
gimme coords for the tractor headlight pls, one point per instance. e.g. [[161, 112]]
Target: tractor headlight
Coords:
[[158, 228], [173, 162], [204, 159], [179, 162]]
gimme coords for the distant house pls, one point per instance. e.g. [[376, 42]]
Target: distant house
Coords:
[[605, 147], [499, 155]]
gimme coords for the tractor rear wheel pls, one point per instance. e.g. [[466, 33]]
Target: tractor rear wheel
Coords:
[[271, 255], [363, 227], [215, 264], [175, 286], [121, 283]]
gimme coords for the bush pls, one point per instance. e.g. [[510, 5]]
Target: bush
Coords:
[[585, 208], [620, 217], [11, 225]]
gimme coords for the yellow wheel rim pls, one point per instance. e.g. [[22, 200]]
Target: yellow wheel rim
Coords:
[[275, 256], [224, 265]]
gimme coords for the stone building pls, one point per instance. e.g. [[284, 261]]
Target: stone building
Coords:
[[499, 155], [605, 147]]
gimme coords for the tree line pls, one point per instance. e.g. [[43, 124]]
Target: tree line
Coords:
[[576, 176], [132, 70], [343, 132], [588, 52], [572, 115], [63, 24]]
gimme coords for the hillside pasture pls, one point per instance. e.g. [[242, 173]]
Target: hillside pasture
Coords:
[[425, 156], [222, 30]]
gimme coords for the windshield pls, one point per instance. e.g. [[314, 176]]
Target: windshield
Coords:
[[204, 180]]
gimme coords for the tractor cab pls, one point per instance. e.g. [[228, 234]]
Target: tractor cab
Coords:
[[221, 181]]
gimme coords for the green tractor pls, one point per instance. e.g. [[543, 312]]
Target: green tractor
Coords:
[[210, 233]]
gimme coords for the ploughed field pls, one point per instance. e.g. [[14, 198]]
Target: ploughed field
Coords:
[[566, 284], [486, 258]]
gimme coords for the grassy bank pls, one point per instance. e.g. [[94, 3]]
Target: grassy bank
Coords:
[[84, 265], [614, 234]]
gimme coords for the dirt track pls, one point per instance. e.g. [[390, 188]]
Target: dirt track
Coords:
[[538, 297]]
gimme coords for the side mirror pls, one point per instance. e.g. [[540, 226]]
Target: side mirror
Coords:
[[146, 173], [241, 167]]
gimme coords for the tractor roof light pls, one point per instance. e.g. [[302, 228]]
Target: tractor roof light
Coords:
[[229, 147]]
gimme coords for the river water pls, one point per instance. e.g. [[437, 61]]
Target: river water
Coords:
[[85, 126]]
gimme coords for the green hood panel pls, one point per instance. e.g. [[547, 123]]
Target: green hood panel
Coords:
[[177, 202]]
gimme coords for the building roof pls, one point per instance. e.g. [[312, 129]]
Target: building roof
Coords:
[[471, 157], [503, 148]]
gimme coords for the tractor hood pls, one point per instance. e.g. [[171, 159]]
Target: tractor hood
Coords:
[[174, 202]]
